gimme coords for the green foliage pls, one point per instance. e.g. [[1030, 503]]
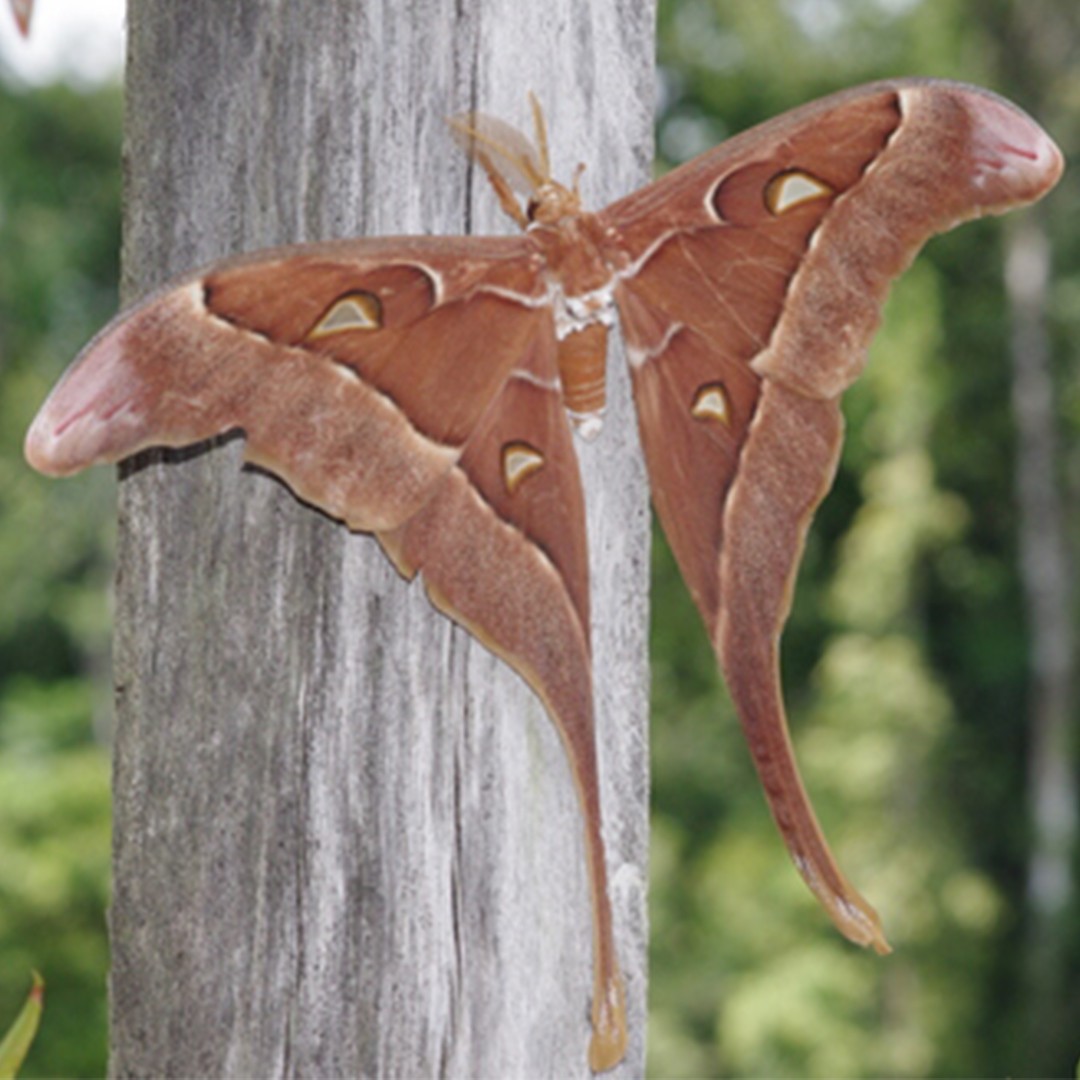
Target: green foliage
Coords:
[[59, 224], [905, 659], [20, 1036]]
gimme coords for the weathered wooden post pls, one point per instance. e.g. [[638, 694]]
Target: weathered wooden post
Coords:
[[346, 839]]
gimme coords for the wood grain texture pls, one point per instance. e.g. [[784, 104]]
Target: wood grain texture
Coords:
[[346, 840]]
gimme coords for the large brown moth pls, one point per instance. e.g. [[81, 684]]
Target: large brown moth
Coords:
[[426, 389]]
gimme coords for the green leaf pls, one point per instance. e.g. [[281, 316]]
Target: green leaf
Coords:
[[21, 1034]]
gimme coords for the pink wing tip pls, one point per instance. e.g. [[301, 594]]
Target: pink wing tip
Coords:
[[1015, 160], [39, 447], [58, 441], [88, 418]]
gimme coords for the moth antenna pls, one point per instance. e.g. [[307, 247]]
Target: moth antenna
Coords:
[[535, 178], [478, 133], [471, 134], [540, 127], [503, 192]]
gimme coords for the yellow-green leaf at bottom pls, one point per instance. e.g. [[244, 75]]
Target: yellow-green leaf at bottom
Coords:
[[21, 1034]]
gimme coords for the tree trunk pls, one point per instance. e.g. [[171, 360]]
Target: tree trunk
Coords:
[[1031, 45], [346, 837], [1046, 573]]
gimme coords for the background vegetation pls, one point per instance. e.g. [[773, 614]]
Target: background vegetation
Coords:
[[59, 229], [929, 660]]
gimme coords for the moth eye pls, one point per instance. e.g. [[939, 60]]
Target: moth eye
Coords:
[[354, 311], [519, 462], [711, 403], [531, 208], [790, 189]]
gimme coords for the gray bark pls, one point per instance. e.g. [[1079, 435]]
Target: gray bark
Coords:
[[346, 838], [1031, 44], [1047, 577], [1046, 572]]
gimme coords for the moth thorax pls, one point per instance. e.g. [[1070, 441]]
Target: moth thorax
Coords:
[[582, 357]]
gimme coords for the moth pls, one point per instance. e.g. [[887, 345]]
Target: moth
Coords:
[[427, 390]]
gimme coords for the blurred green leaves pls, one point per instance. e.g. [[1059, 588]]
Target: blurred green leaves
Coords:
[[905, 660], [16, 1044], [59, 238]]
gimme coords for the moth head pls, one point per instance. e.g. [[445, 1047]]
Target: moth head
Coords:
[[552, 202], [515, 164]]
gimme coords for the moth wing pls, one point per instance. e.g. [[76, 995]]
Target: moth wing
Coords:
[[754, 279]]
